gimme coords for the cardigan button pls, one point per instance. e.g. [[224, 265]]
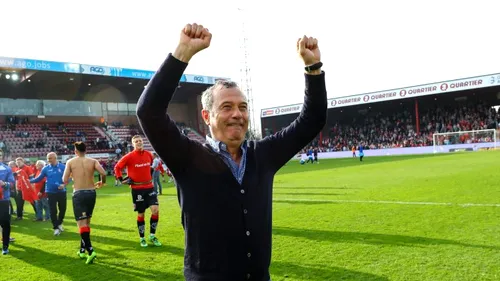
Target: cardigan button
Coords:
[[242, 191]]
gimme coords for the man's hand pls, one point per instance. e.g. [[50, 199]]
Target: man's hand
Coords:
[[2, 183], [98, 184], [193, 39], [308, 49], [61, 187]]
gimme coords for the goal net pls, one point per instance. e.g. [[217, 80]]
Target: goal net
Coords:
[[465, 141]]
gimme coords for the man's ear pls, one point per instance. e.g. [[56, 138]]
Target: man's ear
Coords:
[[205, 114]]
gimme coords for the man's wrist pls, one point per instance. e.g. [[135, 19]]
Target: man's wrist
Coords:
[[313, 68], [182, 54], [314, 72]]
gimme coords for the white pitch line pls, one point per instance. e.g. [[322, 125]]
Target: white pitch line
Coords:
[[386, 202], [344, 201], [113, 194]]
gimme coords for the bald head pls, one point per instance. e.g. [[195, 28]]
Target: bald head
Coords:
[[52, 158]]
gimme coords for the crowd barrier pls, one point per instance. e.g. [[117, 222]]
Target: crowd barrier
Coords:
[[409, 150]]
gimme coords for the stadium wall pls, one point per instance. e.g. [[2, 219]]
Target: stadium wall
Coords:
[[180, 112], [407, 150]]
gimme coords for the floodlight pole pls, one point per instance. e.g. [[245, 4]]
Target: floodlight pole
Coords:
[[245, 71]]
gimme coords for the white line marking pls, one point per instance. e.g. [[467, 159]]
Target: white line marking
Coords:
[[173, 196], [113, 194], [385, 202]]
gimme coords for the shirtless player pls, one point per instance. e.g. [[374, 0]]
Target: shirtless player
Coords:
[[81, 169]]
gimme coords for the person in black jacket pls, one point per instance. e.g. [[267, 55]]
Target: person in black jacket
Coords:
[[225, 185]]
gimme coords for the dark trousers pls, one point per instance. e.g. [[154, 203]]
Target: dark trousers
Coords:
[[57, 201], [19, 203], [5, 222]]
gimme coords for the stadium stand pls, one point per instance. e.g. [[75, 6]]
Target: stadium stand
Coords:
[[125, 133], [50, 105], [406, 118], [33, 140], [379, 130], [382, 130], [27, 140]]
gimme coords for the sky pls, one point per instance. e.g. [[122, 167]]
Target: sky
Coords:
[[366, 45]]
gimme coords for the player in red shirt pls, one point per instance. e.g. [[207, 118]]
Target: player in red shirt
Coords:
[[138, 164], [25, 190]]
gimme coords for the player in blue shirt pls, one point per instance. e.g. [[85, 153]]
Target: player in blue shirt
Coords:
[[361, 153], [310, 155], [6, 181], [55, 189]]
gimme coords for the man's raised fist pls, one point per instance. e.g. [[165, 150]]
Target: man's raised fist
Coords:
[[308, 49], [194, 38]]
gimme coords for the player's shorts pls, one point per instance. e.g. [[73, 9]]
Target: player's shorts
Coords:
[[83, 204], [361, 154], [143, 199]]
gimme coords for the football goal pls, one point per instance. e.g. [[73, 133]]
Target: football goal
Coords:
[[465, 141]]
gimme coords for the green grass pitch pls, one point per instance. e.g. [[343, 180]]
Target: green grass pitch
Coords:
[[433, 217]]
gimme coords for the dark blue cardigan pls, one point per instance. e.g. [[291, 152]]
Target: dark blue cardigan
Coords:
[[227, 225]]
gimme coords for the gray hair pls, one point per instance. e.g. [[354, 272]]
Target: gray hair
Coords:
[[207, 97], [43, 163]]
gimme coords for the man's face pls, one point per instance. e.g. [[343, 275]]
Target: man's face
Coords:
[[39, 166], [137, 143], [1, 156], [52, 159], [228, 119], [20, 163]]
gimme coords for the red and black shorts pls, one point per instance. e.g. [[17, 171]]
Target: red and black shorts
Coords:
[[143, 199], [84, 203]]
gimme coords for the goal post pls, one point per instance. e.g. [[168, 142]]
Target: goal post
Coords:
[[464, 141]]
